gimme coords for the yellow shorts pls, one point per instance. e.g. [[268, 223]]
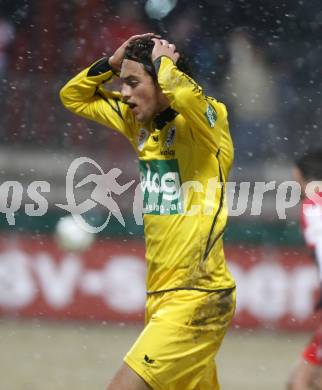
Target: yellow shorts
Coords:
[[183, 332]]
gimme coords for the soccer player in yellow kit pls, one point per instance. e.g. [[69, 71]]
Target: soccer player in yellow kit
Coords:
[[185, 153]]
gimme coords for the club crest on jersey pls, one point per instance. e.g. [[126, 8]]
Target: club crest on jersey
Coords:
[[171, 135], [211, 116], [143, 136]]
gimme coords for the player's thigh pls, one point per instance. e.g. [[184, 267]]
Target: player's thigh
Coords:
[[127, 379], [301, 376], [317, 378]]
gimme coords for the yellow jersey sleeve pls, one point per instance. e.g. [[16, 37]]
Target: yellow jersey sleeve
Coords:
[[86, 96], [206, 117]]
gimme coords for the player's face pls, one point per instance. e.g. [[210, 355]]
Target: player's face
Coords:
[[140, 92]]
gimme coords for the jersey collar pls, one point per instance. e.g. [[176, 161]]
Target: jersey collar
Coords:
[[164, 117]]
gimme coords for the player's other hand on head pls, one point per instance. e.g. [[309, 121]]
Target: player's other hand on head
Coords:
[[164, 48], [117, 58]]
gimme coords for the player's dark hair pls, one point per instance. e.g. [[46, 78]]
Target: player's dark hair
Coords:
[[310, 165], [140, 50]]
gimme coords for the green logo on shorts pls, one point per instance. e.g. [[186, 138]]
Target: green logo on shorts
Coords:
[[161, 187]]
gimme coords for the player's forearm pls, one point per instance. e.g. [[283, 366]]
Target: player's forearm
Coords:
[[82, 88], [187, 97], [179, 88]]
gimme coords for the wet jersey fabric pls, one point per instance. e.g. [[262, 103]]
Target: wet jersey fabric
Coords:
[[185, 155]]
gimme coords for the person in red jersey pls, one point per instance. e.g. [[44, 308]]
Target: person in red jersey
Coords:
[[308, 172]]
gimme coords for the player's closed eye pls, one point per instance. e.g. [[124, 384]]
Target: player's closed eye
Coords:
[[132, 83]]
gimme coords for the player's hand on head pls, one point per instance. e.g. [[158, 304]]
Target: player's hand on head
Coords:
[[164, 48], [117, 58]]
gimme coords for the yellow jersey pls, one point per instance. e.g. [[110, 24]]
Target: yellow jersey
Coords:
[[185, 155]]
